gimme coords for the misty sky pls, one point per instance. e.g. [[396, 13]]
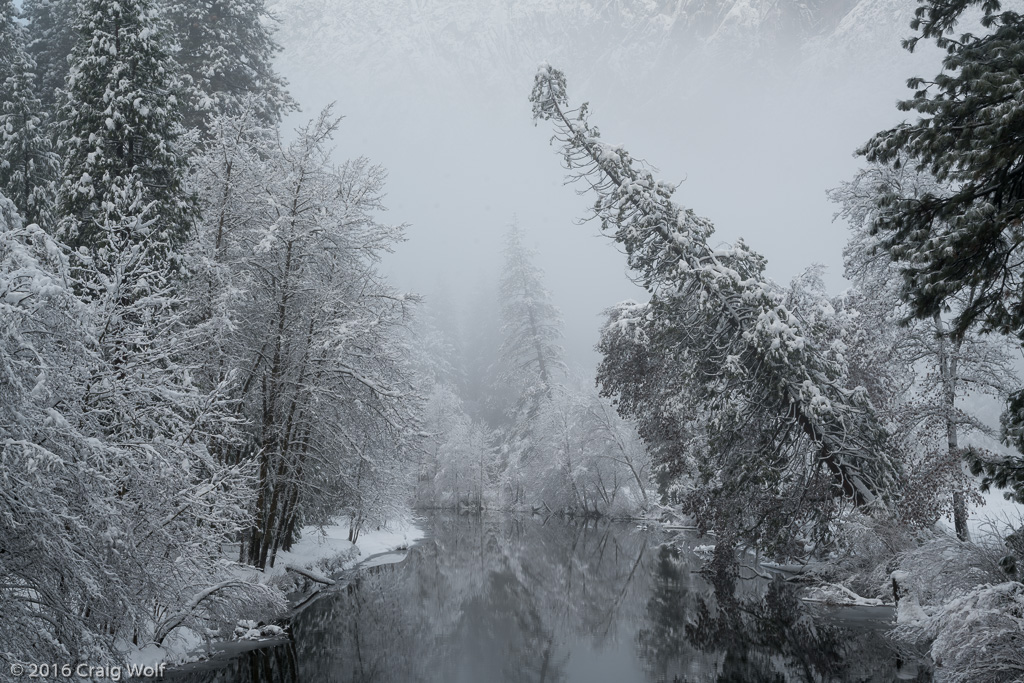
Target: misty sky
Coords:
[[757, 122]]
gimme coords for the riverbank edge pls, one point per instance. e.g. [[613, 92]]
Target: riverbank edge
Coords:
[[217, 653]]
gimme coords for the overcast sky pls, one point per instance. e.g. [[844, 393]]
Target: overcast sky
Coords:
[[756, 127]]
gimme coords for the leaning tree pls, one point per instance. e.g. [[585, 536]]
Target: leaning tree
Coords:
[[777, 438]]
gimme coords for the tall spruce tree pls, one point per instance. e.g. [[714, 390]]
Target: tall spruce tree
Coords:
[[120, 136], [226, 48], [531, 325], [530, 358], [28, 165], [964, 242]]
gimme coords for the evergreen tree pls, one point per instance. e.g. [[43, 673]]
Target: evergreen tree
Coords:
[[51, 25], [966, 233], [227, 49], [531, 325], [28, 165], [120, 136], [11, 36], [962, 241], [530, 358], [785, 437]]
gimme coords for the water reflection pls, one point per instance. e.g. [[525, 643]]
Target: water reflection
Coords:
[[501, 598]]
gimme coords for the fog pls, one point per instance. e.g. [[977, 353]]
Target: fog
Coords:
[[755, 118]]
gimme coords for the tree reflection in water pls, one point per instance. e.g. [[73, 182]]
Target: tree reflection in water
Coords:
[[501, 598], [708, 625]]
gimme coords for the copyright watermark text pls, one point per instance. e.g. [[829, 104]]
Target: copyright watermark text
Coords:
[[87, 672]]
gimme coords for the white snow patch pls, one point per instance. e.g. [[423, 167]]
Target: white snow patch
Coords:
[[331, 541], [910, 611], [836, 594]]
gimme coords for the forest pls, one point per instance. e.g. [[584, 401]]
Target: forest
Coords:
[[205, 356]]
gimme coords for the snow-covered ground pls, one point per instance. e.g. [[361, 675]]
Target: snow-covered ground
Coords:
[[332, 541], [375, 546]]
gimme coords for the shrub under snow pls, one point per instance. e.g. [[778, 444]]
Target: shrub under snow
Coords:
[[976, 638]]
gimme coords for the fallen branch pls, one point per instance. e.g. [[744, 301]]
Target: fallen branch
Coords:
[[311, 575]]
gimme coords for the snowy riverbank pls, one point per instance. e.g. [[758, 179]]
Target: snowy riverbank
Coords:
[[320, 545], [321, 551]]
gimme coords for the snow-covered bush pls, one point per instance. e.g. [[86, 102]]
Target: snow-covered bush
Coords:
[[944, 568], [867, 550], [588, 460], [113, 511], [977, 637]]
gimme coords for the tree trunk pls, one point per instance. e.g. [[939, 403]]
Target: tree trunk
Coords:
[[948, 371]]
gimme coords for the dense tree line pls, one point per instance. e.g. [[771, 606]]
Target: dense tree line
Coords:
[[199, 355], [197, 351]]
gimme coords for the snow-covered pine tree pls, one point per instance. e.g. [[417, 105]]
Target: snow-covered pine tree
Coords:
[[226, 48], [967, 238], [11, 36], [782, 428], [119, 137], [530, 357], [51, 26], [28, 165], [531, 325], [964, 232]]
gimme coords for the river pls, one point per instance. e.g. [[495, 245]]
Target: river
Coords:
[[500, 598]]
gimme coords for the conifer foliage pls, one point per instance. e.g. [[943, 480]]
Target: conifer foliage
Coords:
[[962, 241], [28, 164], [226, 51], [970, 137], [120, 133], [51, 24], [780, 421], [531, 360], [531, 325]]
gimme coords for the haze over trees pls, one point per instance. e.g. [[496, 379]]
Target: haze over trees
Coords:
[[201, 354]]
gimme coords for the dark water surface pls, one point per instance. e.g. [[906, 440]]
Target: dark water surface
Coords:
[[509, 599]]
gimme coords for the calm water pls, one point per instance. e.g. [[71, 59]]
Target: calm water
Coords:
[[508, 599]]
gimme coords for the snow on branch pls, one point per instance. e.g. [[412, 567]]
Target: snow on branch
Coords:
[[311, 575], [720, 304]]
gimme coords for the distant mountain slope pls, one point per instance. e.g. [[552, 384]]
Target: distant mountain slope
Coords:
[[493, 37]]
